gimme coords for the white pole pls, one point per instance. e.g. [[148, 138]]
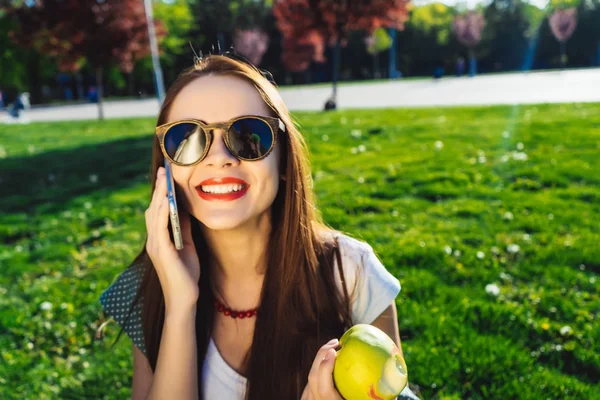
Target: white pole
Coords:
[[158, 76]]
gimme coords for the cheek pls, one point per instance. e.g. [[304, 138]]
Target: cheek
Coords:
[[271, 169], [272, 179], [276, 160], [181, 175]]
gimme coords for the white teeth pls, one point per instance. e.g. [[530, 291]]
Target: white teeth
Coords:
[[222, 188]]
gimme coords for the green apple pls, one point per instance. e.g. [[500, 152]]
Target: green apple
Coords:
[[369, 365]]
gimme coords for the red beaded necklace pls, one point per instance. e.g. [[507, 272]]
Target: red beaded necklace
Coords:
[[235, 314]]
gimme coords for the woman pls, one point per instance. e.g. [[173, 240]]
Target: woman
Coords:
[[250, 305]]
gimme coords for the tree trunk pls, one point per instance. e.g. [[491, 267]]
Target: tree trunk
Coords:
[[376, 66], [130, 86], [79, 80], [341, 21], [529, 57], [472, 63], [33, 72], [308, 75], [99, 88], [336, 67], [393, 69]]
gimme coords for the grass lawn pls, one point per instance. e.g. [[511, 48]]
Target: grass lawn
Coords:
[[488, 216]]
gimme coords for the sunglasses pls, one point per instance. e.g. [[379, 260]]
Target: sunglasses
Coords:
[[248, 138]]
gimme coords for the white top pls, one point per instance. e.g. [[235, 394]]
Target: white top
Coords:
[[375, 290]]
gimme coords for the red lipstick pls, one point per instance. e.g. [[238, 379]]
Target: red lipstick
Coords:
[[222, 196]]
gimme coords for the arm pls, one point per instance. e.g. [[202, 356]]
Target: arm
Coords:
[[388, 322], [142, 375], [176, 369]]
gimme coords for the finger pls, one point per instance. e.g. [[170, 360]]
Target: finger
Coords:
[[160, 178], [151, 210], [161, 206], [160, 190], [162, 221], [325, 380], [313, 375]]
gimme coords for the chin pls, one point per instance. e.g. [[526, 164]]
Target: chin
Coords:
[[221, 225], [222, 220], [230, 219]]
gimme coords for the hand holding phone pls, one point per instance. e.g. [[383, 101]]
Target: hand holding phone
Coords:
[[173, 213], [178, 269]]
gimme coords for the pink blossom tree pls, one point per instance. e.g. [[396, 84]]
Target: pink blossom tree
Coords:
[[468, 28], [251, 43], [563, 23]]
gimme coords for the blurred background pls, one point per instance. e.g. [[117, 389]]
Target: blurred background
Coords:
[[460, 139], [105, 43]]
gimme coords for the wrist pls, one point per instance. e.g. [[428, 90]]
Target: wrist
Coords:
[[180, 313]]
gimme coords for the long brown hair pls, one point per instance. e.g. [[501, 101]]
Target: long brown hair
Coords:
[[301, 306]]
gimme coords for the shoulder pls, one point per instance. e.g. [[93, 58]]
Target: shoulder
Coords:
[[351, 249], [370, 285]]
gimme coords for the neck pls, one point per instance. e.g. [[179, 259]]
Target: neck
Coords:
[[239, 261]]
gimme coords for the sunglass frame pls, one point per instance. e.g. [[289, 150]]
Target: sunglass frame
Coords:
[[274, 123]]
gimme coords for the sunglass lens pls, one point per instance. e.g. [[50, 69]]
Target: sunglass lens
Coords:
[[250, 138], [185, 143]]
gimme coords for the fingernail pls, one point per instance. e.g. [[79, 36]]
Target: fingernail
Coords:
[[333, 341]]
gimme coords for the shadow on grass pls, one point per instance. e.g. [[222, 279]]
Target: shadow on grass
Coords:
[[44, 182]]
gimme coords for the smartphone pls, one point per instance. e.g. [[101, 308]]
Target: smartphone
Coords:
[[173, 214]]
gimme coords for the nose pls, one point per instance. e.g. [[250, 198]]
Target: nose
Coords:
[[218, 153]]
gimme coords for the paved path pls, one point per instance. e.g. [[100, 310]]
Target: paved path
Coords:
[[514, 88]]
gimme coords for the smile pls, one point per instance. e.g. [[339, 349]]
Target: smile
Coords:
[[221, 192]]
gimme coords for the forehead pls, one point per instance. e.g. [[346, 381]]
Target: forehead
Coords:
[[217, 98]]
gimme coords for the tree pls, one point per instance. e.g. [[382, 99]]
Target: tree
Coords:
[[217, 20], [177, 18], [97, 32], [510, 38], [433, 18], [377, 42], [213, 20], [303, 42], [467, 29], [311, 24], [21, 69], [251, 43], [587, 34], [175, 54], [563, 23], [427, 42], [586, 38]]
